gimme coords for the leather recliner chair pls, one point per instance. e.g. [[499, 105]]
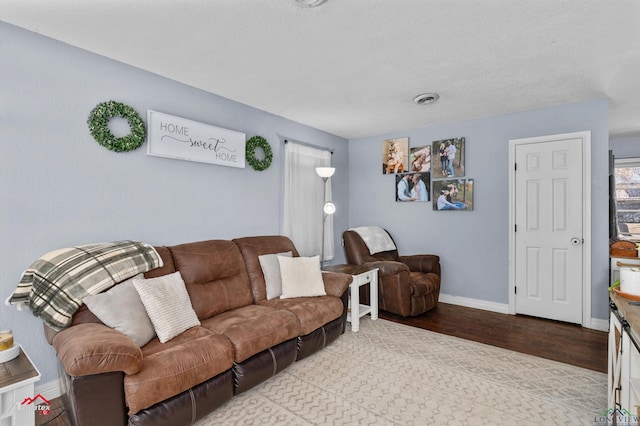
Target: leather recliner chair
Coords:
[[407, 285]]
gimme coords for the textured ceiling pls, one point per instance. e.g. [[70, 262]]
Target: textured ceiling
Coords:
[[352, 67]]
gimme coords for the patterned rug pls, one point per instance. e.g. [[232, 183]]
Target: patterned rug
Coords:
[[393, 374]]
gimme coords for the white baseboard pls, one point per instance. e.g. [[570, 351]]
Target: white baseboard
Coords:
[[49, 390], [503, 308], [599, 324]]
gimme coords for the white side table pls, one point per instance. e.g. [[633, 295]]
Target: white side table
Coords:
[[17, 400], [361, 276]]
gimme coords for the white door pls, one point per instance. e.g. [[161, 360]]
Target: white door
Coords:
[[548, 231]]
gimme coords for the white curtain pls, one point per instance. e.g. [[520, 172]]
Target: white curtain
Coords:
[[304, 197]]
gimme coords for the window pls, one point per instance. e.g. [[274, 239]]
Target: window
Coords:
[[304, 196], [627, 197]]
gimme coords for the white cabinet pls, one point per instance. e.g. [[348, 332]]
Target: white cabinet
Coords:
[[623, 360], [614, 364]]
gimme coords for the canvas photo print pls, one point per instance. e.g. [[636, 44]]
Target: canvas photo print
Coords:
[[448, 158], [420, 159], [453, 194], [395, 156], [413, 187]]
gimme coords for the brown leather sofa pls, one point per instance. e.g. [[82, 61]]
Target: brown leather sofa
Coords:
[[407, 285], [243, 340]]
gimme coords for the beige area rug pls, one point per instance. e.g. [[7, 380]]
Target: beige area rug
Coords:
[[393, 374]]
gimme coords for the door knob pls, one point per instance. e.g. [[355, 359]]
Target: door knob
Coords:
[[576, 241]]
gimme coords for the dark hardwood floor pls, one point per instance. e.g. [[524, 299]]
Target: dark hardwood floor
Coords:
[[563, 342], [57, 416], [559, 341]]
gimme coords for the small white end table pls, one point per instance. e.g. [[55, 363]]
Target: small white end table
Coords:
[[361, 275], [17, 401]]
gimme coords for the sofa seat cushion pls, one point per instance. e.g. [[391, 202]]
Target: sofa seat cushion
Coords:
[[254, 328], [422, 284], [312, 312], [173, 367]]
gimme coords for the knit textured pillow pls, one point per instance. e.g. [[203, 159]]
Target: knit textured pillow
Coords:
[[168, 305], [301, 277]]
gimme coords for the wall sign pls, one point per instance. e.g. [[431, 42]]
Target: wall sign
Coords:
[[175, 137]]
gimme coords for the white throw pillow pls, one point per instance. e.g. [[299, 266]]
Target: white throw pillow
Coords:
[[301, 277], [168, 305], [121, 308], [271, 271]]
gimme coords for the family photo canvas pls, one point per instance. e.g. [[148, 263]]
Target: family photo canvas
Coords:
[[413, 187], [395, 156], [420, 159], [453, 194], [448, 158]]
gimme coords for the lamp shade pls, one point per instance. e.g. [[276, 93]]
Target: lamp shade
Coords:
[[329, 208], [325, 172]]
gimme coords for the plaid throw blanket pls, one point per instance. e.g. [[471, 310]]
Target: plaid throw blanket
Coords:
[[54, 285]]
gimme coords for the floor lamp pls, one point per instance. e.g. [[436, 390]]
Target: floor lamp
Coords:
[[328, 207]]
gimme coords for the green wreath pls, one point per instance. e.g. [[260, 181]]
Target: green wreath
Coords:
[[99, 126], [259, 142]]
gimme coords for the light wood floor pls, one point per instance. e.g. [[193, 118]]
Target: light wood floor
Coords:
[[554, 340]]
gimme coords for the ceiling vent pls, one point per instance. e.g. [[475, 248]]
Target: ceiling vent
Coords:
[[426, 98], [309, 3]]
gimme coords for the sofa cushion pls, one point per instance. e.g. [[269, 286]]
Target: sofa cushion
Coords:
[[272, 275], [167, 303], [301, 277], [167, 268], [121, 308], [170, 368], [312, 312], [254, 328], [251, 248], [214, 274]]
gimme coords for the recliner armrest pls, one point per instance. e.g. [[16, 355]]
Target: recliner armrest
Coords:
[[92, 348], [336, 283], [388, 267], [422, 263]]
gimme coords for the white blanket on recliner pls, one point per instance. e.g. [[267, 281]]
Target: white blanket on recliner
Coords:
[[376, 238]]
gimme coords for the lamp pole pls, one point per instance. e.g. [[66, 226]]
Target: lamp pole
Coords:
[[328, 208], [324, 218]]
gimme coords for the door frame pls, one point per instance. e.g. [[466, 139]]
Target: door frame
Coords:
[[585, 136]]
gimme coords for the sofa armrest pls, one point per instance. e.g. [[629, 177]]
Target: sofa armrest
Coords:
[[92, 348], [388, 267], [336, 283], [422, 263]]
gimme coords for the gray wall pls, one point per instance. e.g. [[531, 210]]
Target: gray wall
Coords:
[[473, 245], [625, 146], [58, 187]]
